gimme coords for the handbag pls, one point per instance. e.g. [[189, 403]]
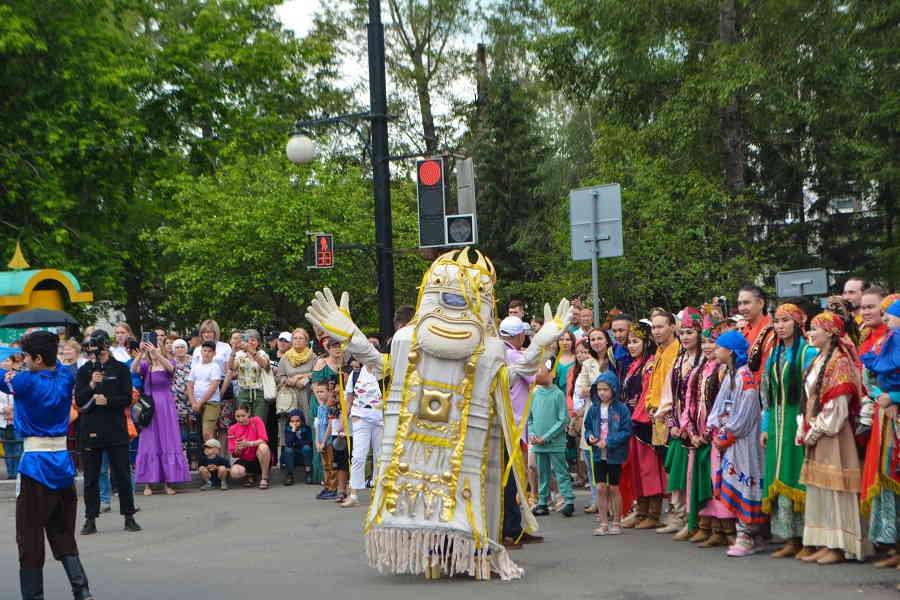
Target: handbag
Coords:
[[270, 389], [145, 408], [285, 401]]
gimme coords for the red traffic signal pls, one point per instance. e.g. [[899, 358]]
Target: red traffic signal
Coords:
[[324, 251]]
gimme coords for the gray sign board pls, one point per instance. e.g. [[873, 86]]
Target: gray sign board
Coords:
[[596, 211], [801, 282]]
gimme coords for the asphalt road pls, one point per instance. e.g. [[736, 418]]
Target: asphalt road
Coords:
[[282, 543]]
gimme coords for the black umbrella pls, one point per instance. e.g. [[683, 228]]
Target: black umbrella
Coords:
[[38, 317]]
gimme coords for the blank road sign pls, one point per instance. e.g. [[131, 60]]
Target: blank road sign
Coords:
[[801, 282], [596, 209]]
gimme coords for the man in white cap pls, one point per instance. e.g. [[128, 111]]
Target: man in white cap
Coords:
[[512, 332], [282, 345]]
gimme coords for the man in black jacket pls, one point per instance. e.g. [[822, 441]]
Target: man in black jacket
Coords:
[[103, 393]]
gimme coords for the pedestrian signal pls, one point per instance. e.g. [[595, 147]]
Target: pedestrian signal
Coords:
[[324, 256]]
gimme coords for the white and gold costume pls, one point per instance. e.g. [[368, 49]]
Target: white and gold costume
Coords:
[[438, 501]]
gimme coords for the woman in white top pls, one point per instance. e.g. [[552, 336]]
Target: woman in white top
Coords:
[[210, 332], [363, 394], [118, 350]]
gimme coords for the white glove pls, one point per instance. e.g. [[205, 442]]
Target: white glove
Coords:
[[553, 325], [333, 319]]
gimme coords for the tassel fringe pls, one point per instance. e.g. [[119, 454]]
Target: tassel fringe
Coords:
[[414, 551]]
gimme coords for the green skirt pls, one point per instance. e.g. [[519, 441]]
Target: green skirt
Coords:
[[676, 466], [701, 484]]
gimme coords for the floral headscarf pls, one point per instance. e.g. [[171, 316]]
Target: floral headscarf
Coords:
[[793, 312]]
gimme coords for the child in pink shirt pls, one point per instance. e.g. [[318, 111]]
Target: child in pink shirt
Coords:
[[248, 444]]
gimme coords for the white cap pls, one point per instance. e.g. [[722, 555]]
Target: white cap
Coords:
[[179, 342], [285, 336], [212, 444], [512, 326]]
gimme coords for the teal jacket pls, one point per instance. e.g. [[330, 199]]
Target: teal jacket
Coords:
[[548, 418]]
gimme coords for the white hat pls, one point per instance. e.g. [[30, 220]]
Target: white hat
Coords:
[[512, 326], [285, 336], [212, 444], [179, 342]]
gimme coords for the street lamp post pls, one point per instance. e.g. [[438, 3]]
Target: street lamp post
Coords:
[[300, 150]]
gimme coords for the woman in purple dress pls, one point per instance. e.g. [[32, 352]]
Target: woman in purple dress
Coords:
[[160, 458]]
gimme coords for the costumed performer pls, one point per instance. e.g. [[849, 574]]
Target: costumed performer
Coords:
[[437, 505]]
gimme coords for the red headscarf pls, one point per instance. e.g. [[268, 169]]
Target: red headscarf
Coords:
[[841, 383], [792, 311]]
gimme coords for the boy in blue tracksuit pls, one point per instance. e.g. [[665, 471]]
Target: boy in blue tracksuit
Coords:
[[608, 430]]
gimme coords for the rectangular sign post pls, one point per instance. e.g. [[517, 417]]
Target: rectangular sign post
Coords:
[[801, 282], [595, 230]]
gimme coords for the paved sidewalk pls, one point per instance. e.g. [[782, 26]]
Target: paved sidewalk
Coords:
[[282, 543]]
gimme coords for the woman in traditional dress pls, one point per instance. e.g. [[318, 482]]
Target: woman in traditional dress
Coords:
[[678, 455], [831, 470], [643, 476], [735, 420], [711, 518], [782, 396]]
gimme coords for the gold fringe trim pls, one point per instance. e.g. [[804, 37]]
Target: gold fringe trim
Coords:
[[830, 477], [883, 481], [412, 551], [779, 488]]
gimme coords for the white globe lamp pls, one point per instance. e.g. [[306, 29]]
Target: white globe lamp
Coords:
[[300, 149]]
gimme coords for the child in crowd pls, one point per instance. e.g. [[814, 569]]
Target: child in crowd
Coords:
[[213, 469], [608, 429], [547, 428], [297, 447], [735, 423], [248, 443], [203, 388], [332, 444]]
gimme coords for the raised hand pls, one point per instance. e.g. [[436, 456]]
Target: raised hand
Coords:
[[554, 324], [329, 316]]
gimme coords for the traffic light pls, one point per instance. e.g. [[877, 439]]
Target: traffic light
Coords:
[[431, 181], [324, 248]]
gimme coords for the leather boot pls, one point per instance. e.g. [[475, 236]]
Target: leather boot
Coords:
[[31, 584], [654, 508], [77, 578], [639, 514], [703, 531], [717, 538], [683, 535]]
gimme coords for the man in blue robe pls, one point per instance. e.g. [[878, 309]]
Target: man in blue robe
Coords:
[[46, 501]]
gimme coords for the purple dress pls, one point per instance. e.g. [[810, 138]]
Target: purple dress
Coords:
[[160, 457]]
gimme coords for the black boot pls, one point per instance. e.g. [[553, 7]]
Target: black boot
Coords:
[[288, 479], [89, 526], [131, 524], [77, 578], [31, 582]]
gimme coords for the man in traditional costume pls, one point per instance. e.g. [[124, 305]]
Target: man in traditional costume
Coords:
[[46, 501], [880, 493], [659, 403], [437, 505], [757, 328], [782, 399]]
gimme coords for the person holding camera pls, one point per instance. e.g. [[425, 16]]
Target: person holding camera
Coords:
[[248, 363], [46, 500], [160, 458], [102, 392]]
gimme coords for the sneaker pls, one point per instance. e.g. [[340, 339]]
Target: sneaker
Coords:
[[350, 501], [288, 479], [89, 527], [568, 510], [223, 485], [540, 510], [601, 530], [615, 529], [309, 478], [327, 495], [207, 485], [131, 524], [739, 549], [105, 508], [321, 494]]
